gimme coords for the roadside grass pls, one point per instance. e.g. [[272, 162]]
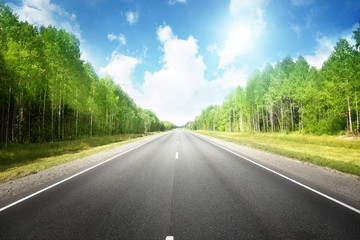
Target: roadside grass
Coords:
[[20, 160], [329, 151]]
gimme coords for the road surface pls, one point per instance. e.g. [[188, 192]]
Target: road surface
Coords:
[[178, 186]]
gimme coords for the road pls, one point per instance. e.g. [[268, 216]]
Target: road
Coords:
[[182, 186]]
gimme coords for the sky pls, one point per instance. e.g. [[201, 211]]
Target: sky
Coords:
[[177, 57]]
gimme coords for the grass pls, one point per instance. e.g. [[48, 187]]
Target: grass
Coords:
[[21, 160], [329, 151]]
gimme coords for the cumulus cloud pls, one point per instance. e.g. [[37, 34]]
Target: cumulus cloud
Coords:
[[239, 41], [43, 12], [232, 78], [132, 17], [179, 91], [121, 68], [325, 46], [174, 91], [120, 38]]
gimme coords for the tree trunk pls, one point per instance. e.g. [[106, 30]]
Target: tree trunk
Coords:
[[76, 121], [263, 119], [52, 116], [230, 120], [8, 119], [241, 122], [13, 123], [63, 120], [292, 116], [357, 113], [21, 114], [266, 120], [282, 116], [271, 118], [253, 119], [249, 120], [43, 116], [29, 122], [300, 116], [2, 121], [350, 122], [59, 119], [91, 124], [234, 120]]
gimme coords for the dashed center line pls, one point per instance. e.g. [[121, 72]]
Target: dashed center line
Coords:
[[169, 238], [176, 155]]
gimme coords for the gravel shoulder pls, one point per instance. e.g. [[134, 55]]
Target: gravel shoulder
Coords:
[[18, 188], [343, 187]]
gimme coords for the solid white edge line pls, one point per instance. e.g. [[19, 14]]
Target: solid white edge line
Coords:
[[68, 178], [290, 179]]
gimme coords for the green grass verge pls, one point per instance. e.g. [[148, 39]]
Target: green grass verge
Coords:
[[21, 160], [329, 151]]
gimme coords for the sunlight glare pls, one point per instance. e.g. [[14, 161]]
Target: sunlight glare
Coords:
[[239, 41]]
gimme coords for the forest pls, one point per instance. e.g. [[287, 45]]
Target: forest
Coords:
[[49, 94], [294, 97]]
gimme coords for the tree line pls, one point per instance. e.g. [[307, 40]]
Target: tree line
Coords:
[[47, 93], [294, 97]]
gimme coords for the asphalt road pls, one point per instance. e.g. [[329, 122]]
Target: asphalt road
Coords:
[[182, 186]]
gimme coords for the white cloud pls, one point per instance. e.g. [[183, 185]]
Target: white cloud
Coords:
[[297, 30], [121, 68], [232, 78], [239, 7], [212, 48], [174, 92], [261, 24], [172, 2], [121, 38], [239, 41], [43, 12], [132, 17], [179, 91], [326, 45]]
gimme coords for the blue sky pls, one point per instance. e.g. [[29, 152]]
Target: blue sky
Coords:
[[176, 57]]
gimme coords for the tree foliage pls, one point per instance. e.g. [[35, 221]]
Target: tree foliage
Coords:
[[292, 96], [48, 93]]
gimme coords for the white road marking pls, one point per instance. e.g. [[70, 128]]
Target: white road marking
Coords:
[[290, 179], [177, 142], [66, 179], [169, 238], [176, 155]]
